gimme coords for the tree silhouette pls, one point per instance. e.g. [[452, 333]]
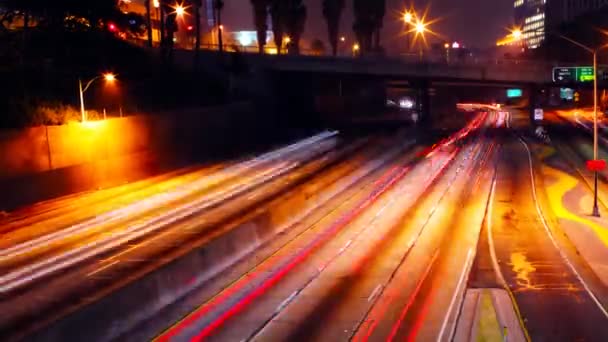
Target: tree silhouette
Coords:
[[260, 15], [148, 4], [317, 47], [295, 21], [218, 6], [364, 24], [379, 10], [278, 15], [332, 11], [52, 14]]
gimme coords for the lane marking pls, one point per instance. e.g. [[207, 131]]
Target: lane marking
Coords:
[[459, 287], [374, 293], [102, 268], [412, 298], [543, 220], [491, 246]]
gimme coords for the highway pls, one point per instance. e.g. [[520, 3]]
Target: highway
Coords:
[[376, 238]]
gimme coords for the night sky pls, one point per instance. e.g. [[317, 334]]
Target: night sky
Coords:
[[477, 23]]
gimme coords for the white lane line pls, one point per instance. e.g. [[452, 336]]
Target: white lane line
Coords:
[[102, 268], [374, 293], [497, 269], [561, 253], [459, 289], [287, 301]]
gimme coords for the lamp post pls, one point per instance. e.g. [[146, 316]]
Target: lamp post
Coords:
[[420, 29], [108, 77], [408, 17], [596, 211], [517, 35]]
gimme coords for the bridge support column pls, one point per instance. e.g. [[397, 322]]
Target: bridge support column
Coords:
[[423, 102], [534, 100]]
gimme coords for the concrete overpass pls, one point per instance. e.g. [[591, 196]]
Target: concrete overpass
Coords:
[[314, 77], [487, 71]]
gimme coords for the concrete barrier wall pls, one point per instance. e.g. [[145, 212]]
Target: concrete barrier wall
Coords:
[[43, 162]]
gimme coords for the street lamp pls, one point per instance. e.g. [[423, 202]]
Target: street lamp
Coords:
[[356, 48], [108, 77], [407, 17], [180, 10], [517, 35], [420, 27], [596, 211]]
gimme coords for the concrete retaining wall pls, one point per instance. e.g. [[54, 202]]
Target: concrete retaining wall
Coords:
[[49, 161]]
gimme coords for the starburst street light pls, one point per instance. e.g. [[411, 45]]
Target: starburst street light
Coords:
[[516, 33], [179, 9], [407, 17], [420, 27]]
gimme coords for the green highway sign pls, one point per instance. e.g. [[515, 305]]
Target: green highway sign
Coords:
[[584, 74], [573, 74], [511, 93]]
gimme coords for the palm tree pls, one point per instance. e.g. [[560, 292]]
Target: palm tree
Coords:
[[332, 11], [379, 10], [149, 21], [364, 23], [260, 15], [296, 19], [196, 5], [218, 6], [278, 12]]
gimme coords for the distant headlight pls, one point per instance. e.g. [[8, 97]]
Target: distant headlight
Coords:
[[406, 103]]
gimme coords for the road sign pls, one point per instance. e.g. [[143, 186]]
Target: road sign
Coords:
[[596, 165], [573, 74], [511, 93], [538, 114]]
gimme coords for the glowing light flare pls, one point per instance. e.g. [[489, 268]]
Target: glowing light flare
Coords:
[[408, 17], [156, 3], [516, 33], [109, 77], [287, 40], [93, 125], [180, 9], [342, 39], [420, 27]]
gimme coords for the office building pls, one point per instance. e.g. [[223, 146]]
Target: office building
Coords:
[[530, 17], [536, 17]]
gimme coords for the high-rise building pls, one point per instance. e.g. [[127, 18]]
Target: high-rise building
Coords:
[[536, 17], [530, 17]]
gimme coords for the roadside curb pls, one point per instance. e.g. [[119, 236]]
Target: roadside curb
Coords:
[[488, 315]]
